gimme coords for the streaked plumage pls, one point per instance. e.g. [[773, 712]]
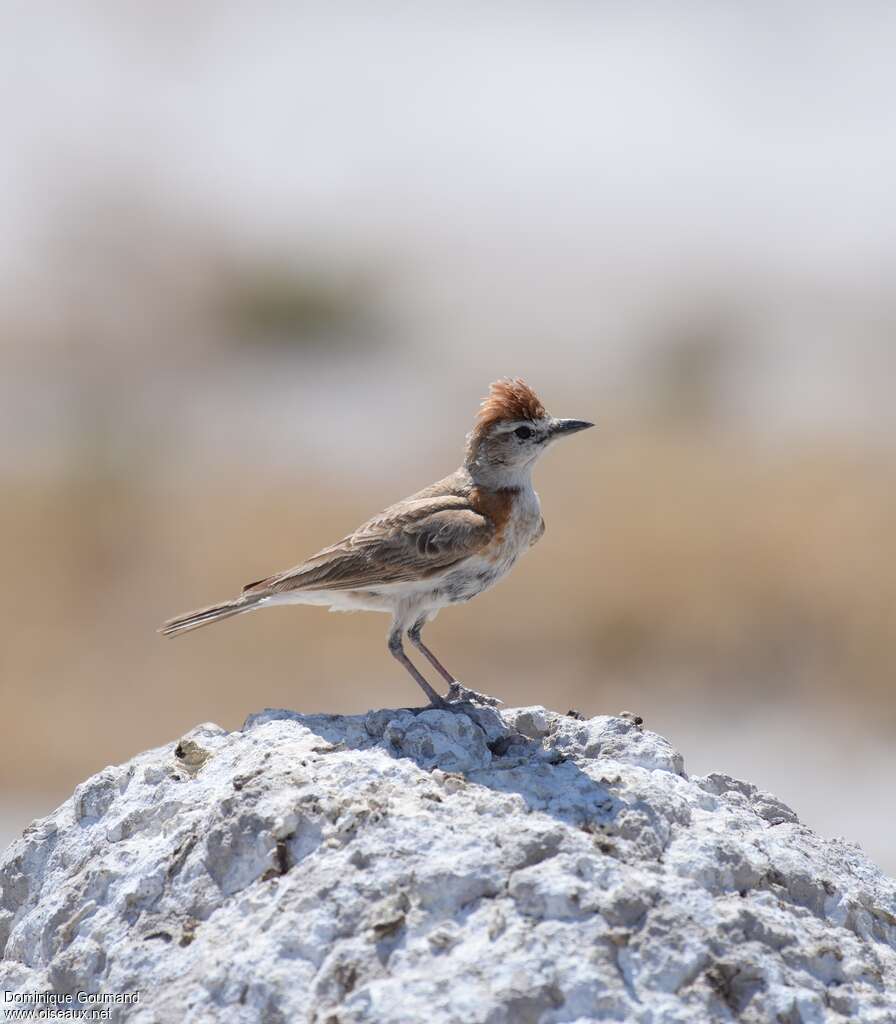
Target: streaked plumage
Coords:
[[442, 545]]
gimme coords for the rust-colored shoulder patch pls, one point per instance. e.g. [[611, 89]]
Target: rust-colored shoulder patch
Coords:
[[508, 400], [495, 505]]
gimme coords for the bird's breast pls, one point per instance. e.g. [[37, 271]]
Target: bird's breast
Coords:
[[521, 528], [517, 528]]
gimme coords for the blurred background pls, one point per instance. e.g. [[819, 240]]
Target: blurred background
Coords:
[[258, 264]]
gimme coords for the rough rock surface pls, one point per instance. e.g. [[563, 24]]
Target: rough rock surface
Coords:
[[429, 866]]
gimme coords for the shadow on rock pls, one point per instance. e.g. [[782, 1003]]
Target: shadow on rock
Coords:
[[558, 765]]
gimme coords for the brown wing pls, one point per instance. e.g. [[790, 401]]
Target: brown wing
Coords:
[[409, 541]]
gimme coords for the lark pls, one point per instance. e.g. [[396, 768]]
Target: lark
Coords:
[[441, 546]]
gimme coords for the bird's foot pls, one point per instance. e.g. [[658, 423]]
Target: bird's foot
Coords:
[[460, 694]]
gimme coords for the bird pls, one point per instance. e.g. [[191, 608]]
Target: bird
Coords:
[[442, 545]]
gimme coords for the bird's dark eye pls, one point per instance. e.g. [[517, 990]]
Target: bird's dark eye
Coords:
[[523, 432]]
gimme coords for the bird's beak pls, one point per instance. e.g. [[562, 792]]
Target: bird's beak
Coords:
[[560, 428]]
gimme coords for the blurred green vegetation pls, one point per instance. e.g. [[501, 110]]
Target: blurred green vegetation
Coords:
[[276, 305]]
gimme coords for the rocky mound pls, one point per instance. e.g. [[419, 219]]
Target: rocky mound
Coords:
[[441, 867]]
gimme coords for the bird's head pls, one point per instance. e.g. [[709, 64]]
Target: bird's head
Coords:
[[511, 431]]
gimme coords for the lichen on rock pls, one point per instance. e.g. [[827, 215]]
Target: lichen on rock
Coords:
[[405, 866]]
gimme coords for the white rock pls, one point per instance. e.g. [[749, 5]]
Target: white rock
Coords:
[[437, 867]]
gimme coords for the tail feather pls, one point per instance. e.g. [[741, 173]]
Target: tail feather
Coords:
[[205, 616]]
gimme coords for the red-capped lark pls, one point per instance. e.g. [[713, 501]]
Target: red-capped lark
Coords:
[[442, 545]]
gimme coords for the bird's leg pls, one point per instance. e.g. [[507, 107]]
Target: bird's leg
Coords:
[[417, 641], [397, 651], [457, 691]]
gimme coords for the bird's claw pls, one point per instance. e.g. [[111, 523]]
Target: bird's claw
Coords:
[[460, 694]]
